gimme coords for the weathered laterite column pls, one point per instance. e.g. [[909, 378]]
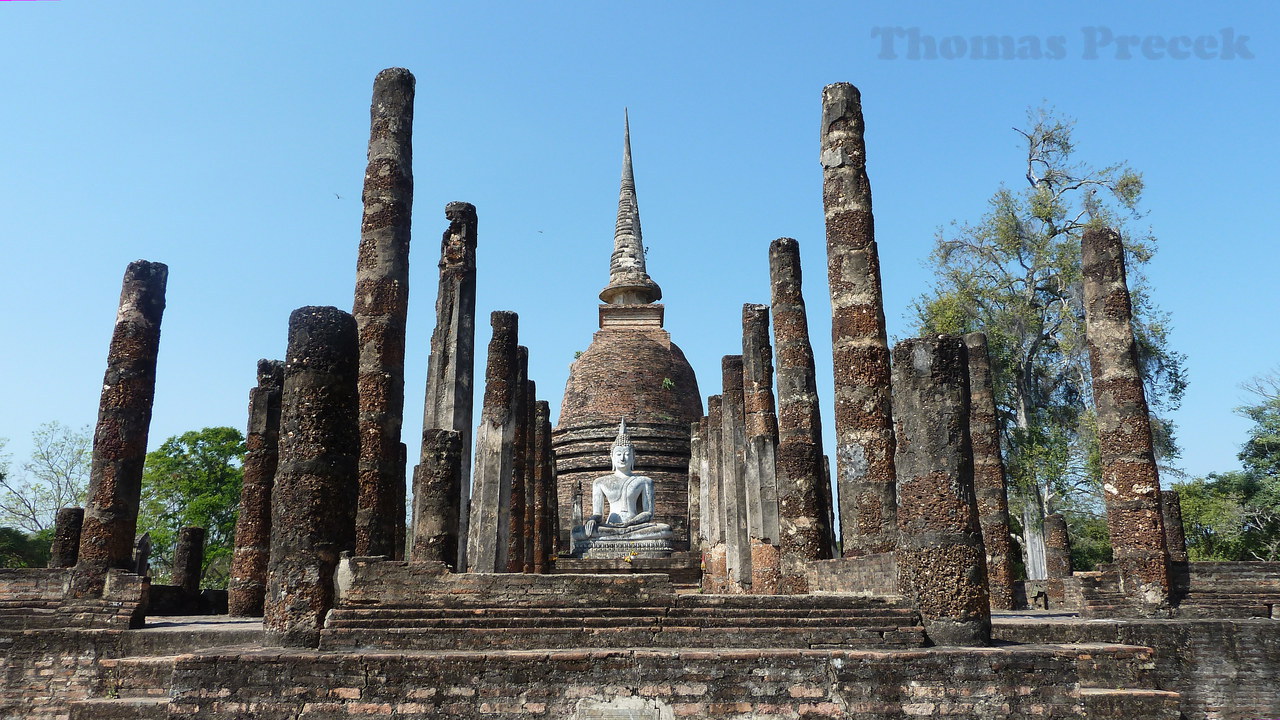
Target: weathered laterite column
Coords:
[[714, 554], [451, 365], [1057, 547], [761, 423], [733, 473], [696, 491], [66, 537], [188, 560], [381, 305], [530, 476], [314, 498], [248, 582], [988, 474], [519, 464], [120, 439], [1174, 536], [435, 497], [1130, 481], [941, 562], [491, 484], [544, 483], [860, 350], [804, 533]]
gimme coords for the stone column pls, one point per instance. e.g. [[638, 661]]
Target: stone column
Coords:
[[1174, 537], [519, 464], [120, 439], [188, 560], [734, 488], [531, 503], [696, 492], [381, 305], [804, 532], [714, 472], [860, 350], [314, 499], [761, 422], [491, 484], [253, 524], [1057, 547], [66, 537], [988, 474], [544, 483], [451, 365], [1130, 481], [435, 497], [941, 562]]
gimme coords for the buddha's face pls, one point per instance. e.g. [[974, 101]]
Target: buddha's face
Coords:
[[624, 457]]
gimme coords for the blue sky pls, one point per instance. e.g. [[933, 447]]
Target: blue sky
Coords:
[[228, 140]]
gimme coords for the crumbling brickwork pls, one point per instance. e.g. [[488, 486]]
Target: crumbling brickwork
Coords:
[[941, 562], [381, 307], [988, 474], [860, 349], [314, 499], [120, 438], [248, 581], [1130, 480], [435, 497]]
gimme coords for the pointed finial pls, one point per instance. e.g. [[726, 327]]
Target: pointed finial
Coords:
[[629, 282], [624, 435]]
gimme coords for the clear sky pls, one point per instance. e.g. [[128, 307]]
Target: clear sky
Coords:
[[228, 141]]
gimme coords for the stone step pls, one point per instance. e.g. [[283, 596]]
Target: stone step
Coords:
[[120, 709], [135, 677], [874, 621], [392, 614], [620, 637], [1145, 704]]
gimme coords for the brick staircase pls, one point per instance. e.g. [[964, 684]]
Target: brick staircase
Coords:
[[131, 687], [685, 621], [1199, 590]]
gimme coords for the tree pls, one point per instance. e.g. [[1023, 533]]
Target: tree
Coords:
[[1236, 515], [1016, 275], [18, 549], [56, 476], [194, 479]]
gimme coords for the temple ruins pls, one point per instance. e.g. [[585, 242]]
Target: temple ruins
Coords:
[[641, 554]]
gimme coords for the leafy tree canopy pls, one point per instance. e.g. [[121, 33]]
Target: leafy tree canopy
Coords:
[[194, 479], [55, 477]]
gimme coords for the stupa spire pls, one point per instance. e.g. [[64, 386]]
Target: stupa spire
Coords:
[[629, 283]]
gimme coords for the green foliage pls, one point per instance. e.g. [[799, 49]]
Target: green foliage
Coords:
[[19, 549], [1016, 276], [55, 476], [1090, 541], [194, 479]]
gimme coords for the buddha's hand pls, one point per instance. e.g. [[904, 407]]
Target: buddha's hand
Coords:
[[589, 527], [643, 517]]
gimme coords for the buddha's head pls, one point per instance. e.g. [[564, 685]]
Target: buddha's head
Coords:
[[623, 454]]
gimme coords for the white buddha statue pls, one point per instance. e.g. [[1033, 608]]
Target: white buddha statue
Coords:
[[630, 506]]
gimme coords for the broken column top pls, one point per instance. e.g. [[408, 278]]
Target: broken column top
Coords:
[[629, 282]]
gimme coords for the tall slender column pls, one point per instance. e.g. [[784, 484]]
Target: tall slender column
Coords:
[[544, 483], [248, 582], [696, 493], [314, 498], [734, 489], [188, 560], [381, 306], [761, 423], [451, 365], [519, 464], [531, 504], [491, 484], [715, 576], [941, 562], [66, 537], [1174, 536], [804, 531], [860, 349], [1130, 480], [988, 474], [120, 439], [435, 497]]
